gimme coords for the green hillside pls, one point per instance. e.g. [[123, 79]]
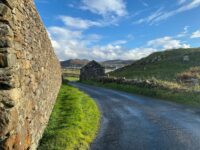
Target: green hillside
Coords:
[[161, 65]]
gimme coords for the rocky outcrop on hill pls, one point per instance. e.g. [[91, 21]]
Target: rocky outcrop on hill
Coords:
[[190, 77], [30, 76]]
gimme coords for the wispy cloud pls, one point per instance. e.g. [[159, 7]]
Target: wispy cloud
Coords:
[[106, 7], [144, 3], [150, 18], [195, 34], [180, 2], [84, 24], [79, 23], [161, 15], [119, 42], [167, 43], [110, 10], [184, 33]]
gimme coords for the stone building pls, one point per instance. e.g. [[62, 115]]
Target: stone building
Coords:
[[92, 70]]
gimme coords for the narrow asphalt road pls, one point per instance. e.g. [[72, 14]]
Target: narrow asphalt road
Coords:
[[131, 122]]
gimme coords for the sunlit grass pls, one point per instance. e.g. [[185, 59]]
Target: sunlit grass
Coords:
[[167, 68], [73, 123], [187, 98]]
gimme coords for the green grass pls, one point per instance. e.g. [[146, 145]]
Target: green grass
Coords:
[[74, 121], [187, 98], [71, 72], [167, 68]]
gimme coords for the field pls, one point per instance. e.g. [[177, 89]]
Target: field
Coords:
[[71, 72], [74, 121]]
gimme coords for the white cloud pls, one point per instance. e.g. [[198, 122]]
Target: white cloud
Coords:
[[106, 7], [64, 34], [120, 42], [191, 5], [150, 18], [109, 52], [110, 10], [184, 33], [180, 2], [144, 3], [196, 34], [167, 43], [138, 53], [71, 42], [79, 23], [71, 5], [74, 44], [161, 15], [66, 42]]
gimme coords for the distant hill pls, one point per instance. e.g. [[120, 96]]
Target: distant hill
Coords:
[[161, 65], [117, 62], [78, 63], [74, 63], [111, 65]]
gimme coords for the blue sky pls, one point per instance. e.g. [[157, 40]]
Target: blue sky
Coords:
[[119, 29]]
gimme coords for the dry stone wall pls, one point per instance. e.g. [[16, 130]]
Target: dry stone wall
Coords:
[[30, 75]]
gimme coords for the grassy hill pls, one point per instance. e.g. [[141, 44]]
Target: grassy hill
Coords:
[[161, 65]]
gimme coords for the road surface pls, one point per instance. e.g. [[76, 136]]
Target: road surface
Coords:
[[132, 122]]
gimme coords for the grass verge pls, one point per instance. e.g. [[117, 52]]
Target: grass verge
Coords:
[[187, 98], [74, 121]]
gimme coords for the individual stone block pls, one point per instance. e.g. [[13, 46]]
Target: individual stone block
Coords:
[[10, 3], [5, 30], [3, 61], [6, 50], [4, 43], [5, 11], [11, 60], [3, 120], [6, 15], [7, 60], [5, 82]]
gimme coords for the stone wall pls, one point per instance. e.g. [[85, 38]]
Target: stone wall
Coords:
[[30, 75], [151, 84]]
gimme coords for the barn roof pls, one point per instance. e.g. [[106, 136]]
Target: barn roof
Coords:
[[92, 64]]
